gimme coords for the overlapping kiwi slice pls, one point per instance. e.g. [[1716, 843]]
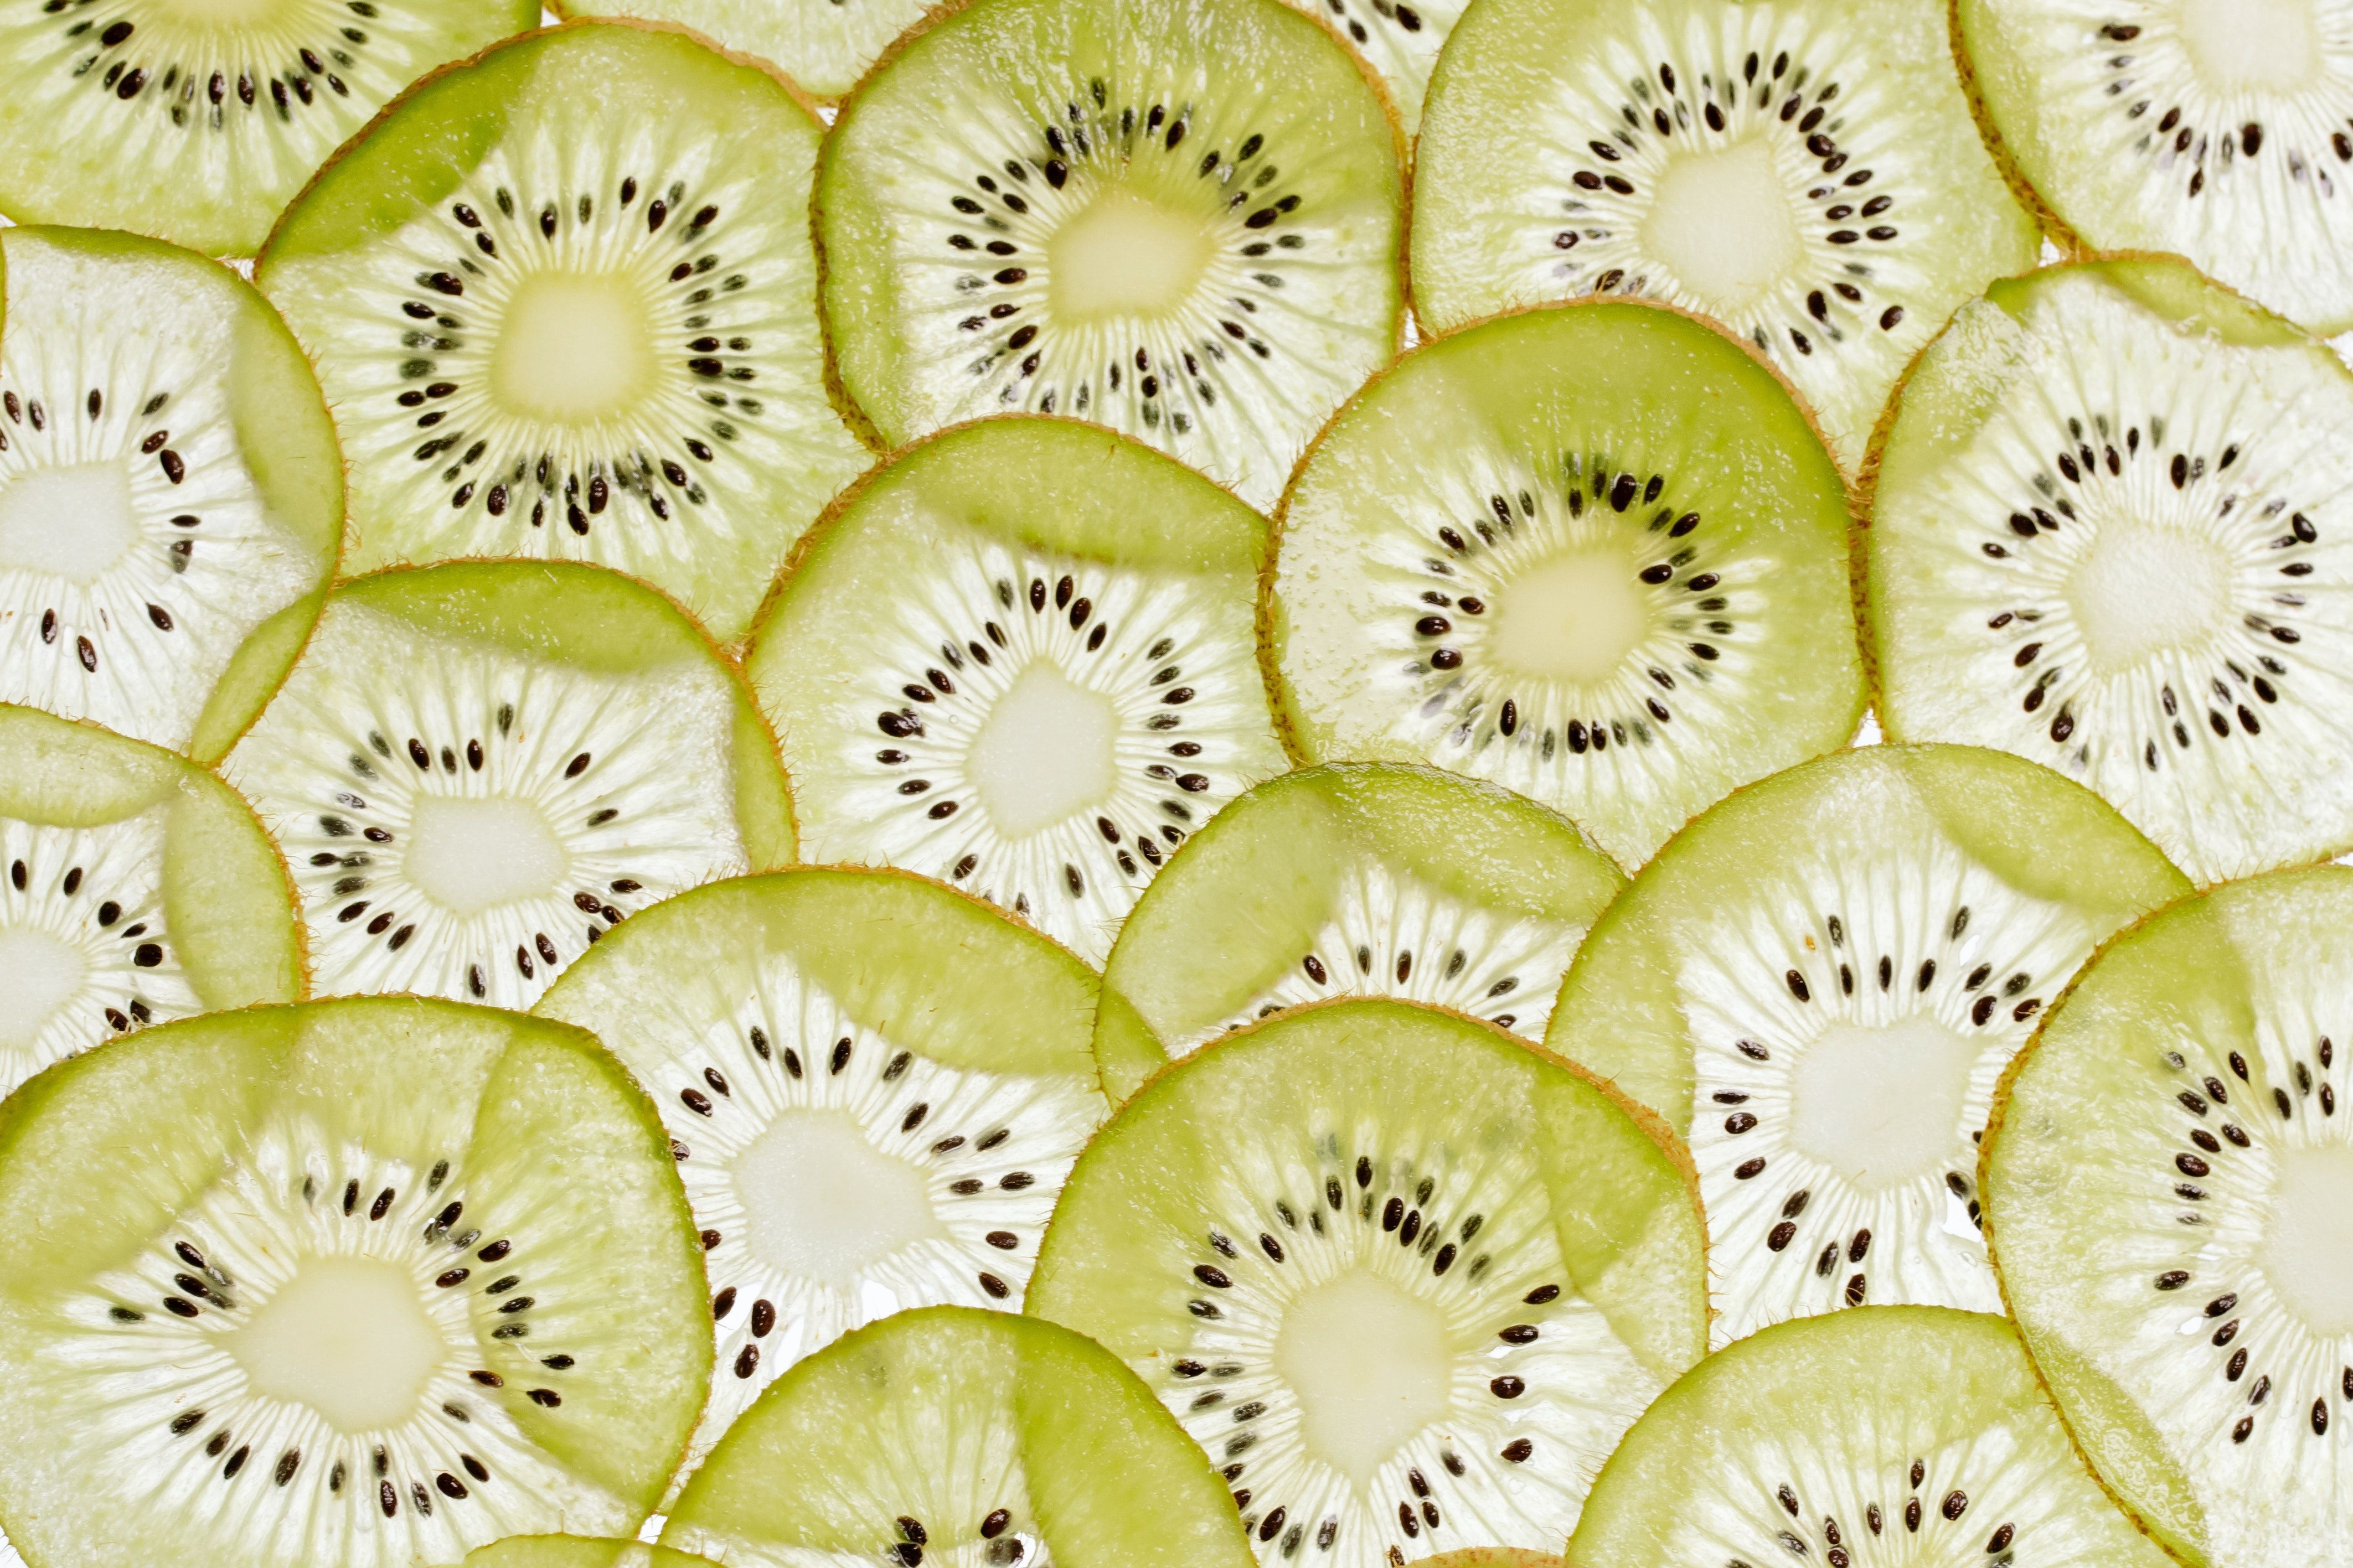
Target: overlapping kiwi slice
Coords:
[[577, 1551], [171, 497], [1405, 1278], [2169, 1192], [1594, 553], [476, 770], [963, 1439], [825, 46], [402, 1277], [1021, 659], [1182, 222], [1820, 982], [564, 302], [2110, 535], [1804, 171], [1351, 879]]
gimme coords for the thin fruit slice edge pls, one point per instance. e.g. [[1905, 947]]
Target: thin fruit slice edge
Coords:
[[577, 1551], [825, 52]]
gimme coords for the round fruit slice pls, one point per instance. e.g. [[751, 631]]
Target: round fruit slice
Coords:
[[824, 48], [2170, 1189], [1021, 658], [138, 888], [171, 497], [564, 300], [1359, 879], [359, 1282], [1804, 171], [577, 1551], [874, 1086], [1910, 1435], [1820, 982], [1404, 1276], [199, 123], [1594, 553], [478, 769], [2112, 534], [1182, 222], [961, 1438]]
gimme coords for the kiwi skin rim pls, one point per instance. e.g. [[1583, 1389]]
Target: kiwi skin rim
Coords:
[[2055, 229]]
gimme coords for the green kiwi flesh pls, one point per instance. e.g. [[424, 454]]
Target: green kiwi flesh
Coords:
[[576, 1552], [823, 50]]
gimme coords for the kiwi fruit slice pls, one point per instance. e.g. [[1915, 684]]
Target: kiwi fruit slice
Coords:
[[1366, 879], [1594, 553], [824, 49], [873, 1086], [1020, 657], [1803, 170], [564, 300], [403, 1277], [1405, 1277], [479, 769], [1183, 222], [171, 497], [1893, 1434], [138, 888], [2168, 1186], [2103, 538], [961, 1438], [577, 1551]]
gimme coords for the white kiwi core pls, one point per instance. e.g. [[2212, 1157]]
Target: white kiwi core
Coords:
[[74, 520], [346, 1336], [572, 348], [821, 1203], [470, 855], [1721, 222], [2251, 46], [1045, 752], [2309, 1250], [1123, 255], [2140, 588], [37, 973], [1574, 617], [1881, 1105], [1371, 1366]]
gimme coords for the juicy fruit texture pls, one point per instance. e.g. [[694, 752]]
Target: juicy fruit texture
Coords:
[[1493, 1557], [2212, 129], [959, 1438], [199, 120], [405, 1277], [1405, 1278], [576, 1552], [1180, 220], [1593, 553], [1803, 170], [479, 769], [1363, 878], [137, 889], [564, 309], [1893, 1435], [1399, 41], [2188, 1295], [873, 1087], [1020, 657], [170, 491], [1820, 982], [824, 47], [2109, 535]]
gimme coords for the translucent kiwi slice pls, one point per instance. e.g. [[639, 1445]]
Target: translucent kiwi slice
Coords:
[[1363, 878], [576, 1552], [825, 46], [138, 888], [1182, 222], [2169, 1192], [1819, 984], [1405, 1278], [171, 497], [401, 1278], [959, 1437], [479, 769], [2108, 536], [1021, 659], [1804, 171], [564, 300], [1910, 1435], [1593, 553]]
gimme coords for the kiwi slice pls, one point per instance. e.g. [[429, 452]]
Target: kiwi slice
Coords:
[[1182, 222], [1364, 878], [356, 1282], [2104, 538], [564, 300], [138, 888], [1804, 171], [2169, 1181], [961, 1438], [1404, 1276], [1819, 984], [1893, 1435], [873, 1086], [479, 769], [171, 497], [1594, 553], [577, 1551], [1021, 658], [824, 48]]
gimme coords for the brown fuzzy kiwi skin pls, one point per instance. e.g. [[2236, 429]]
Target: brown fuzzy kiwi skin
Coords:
[[2055, 229], [1490, 1557]]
